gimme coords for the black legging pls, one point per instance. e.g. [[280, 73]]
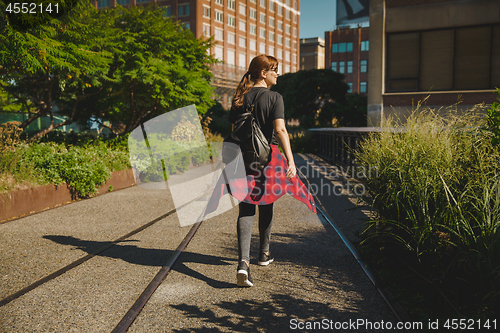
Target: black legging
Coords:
[[244, 227]]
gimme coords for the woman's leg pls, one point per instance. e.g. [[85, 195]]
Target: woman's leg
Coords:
[[265, 225], [244, 229]]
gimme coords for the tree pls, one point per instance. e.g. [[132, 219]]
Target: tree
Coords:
[[56, 63], [159, 67], [133, 63], [307, 93]]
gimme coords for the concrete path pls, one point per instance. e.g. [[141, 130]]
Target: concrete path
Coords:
[[313, 279]]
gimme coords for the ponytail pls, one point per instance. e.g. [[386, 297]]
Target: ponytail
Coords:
[[257, 65]]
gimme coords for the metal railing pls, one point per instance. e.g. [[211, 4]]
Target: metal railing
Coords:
[[337, 145]]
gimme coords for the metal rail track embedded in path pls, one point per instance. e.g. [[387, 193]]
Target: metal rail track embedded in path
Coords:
[[80, 261]]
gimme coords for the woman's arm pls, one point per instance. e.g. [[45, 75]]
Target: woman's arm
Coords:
[[284, 141]]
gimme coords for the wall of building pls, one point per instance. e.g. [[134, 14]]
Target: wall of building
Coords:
[[447, 60], [312, 53], [338, 61]]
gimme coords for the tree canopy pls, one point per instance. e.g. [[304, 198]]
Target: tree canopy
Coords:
[[122, 65], [317, 97]]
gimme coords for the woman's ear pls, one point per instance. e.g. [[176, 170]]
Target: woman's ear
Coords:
[[263, 74]]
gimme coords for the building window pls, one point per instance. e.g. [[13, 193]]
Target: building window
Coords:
[[294, 32], [242, 61], [243, 25], [230, 57], [342, 67], [271, 51], [280, 10], [362, 87], [262, 32], [262, 48], [186, 25], [287, 68], [253, 14], [102, 3], [231, 38], [280, 68], [294, 59], [231, 4], [122, 2], [288, 3], [219, 34], [271, 5], [280, 26], [243, 42], [280, 40], [271, 36], [263, 18], [287, 42], [365, 46], [219, 17], [137, 1], [350, 86], [280, 54], [334, 66], [294, 45], [466, 58], [335, 48], [263, 3], [206, 11], [295, 5], [342, 47], [287, 27], [271, 22], [349, 67], [184, 10], [219, 2], [253, 29], [287, 14], [287, 56], [167, 11], [219, 53], [363, 66], [243, 10], [253, 1], [253, 45], [206, 29], [231, 21], [295, 16]]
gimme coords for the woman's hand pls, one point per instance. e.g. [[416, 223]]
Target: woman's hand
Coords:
[[291, 171]]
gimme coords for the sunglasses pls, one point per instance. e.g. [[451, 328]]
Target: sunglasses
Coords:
[[274, 70]]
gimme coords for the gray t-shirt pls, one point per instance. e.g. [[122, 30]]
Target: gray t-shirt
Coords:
[[269, 107]]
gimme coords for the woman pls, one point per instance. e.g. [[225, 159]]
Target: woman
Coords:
[[262, 191]]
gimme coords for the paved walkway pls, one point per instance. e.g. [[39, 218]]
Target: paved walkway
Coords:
[[314, 276]]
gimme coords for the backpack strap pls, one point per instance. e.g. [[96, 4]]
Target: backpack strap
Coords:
[[254, 101]]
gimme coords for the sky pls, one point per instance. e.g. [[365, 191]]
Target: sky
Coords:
[[316, 17]]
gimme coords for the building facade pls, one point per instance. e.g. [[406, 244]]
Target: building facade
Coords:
[[346, 52], [312, 53], [242, 29], [440, 51]]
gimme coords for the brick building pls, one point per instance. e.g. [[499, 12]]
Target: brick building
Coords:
[[242, 29], [346, 52], [312, 53], [440, 49]]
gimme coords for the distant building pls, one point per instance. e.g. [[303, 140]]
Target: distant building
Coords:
[[444, 49], [242, 29], [346, 52], [312, 53]]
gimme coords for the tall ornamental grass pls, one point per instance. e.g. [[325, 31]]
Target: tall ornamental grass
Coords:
[[438, 195]]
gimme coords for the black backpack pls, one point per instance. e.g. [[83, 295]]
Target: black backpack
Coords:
[[248, 137]]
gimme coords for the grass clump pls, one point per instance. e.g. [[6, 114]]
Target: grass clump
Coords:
[[437, 191]]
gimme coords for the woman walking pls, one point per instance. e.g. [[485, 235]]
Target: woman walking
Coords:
[[278, 178]]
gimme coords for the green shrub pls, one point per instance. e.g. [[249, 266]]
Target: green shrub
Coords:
[[493, 120], [437, 192]]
